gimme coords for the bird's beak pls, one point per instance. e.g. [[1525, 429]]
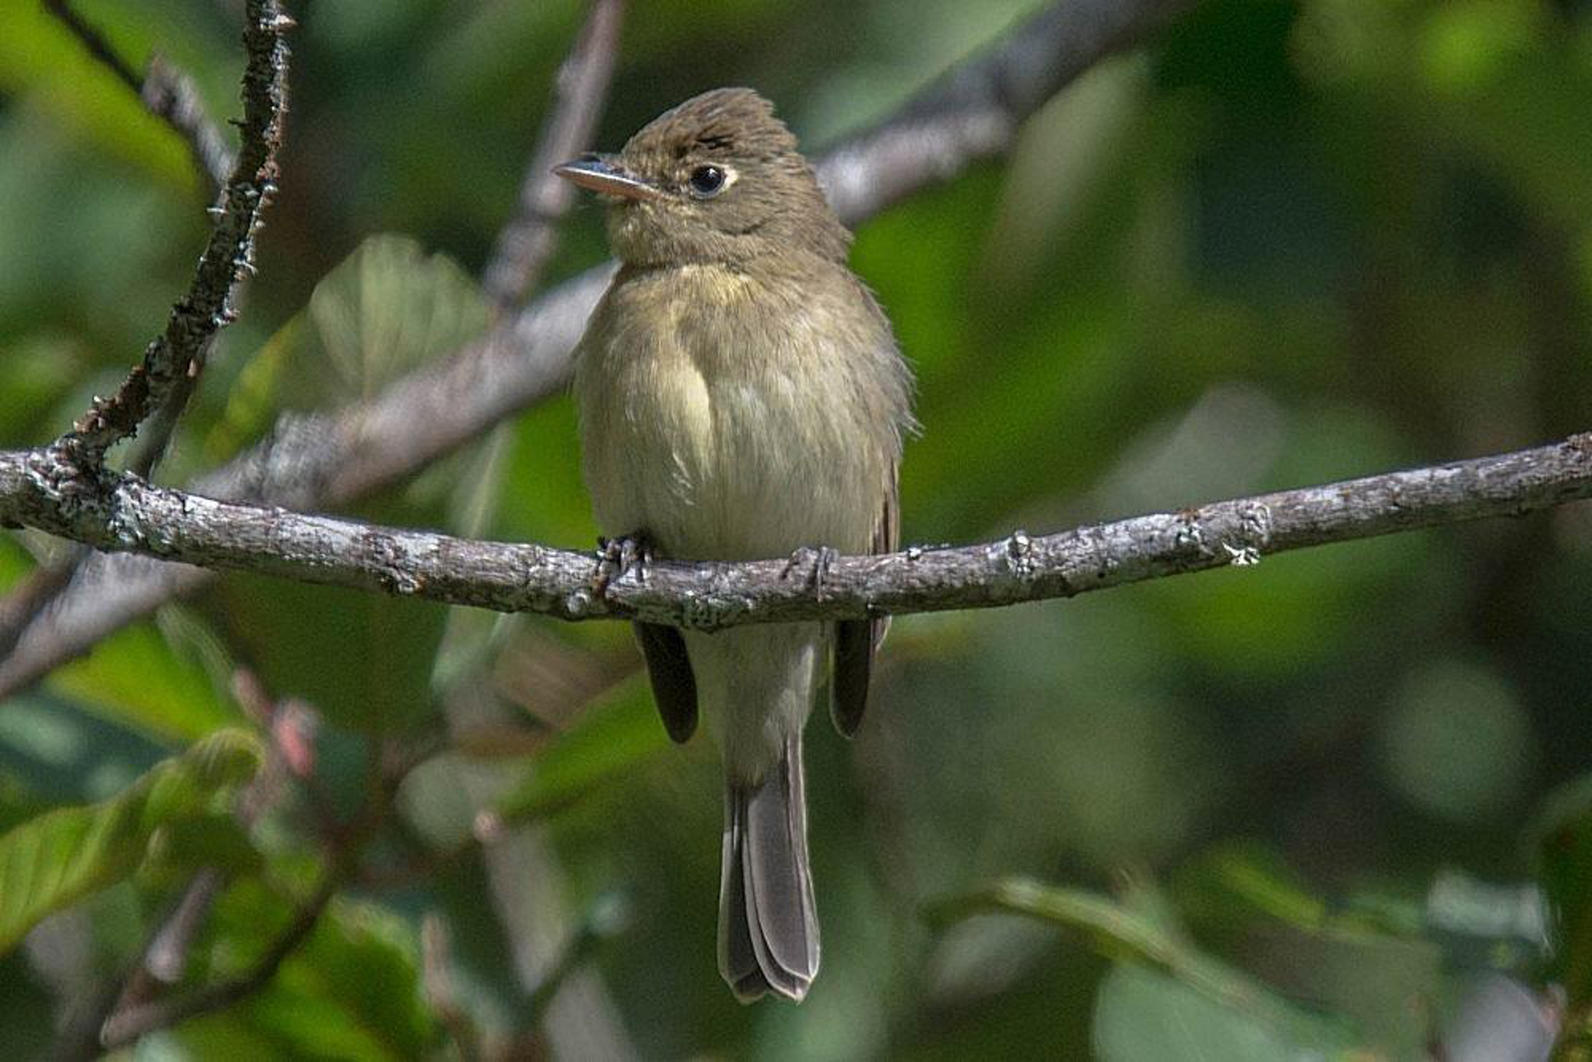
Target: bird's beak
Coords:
[[603, 173]]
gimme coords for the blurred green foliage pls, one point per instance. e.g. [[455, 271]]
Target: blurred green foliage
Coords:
[[1288, 242]]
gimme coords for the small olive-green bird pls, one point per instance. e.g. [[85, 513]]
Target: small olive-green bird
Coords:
[[741, 396]]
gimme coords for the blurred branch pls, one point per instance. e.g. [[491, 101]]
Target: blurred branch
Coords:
[[975, 110], [123, 513], [167, 91], [127, 1025], [525, 243], [206, 307], [326, 460], [345, 844], [96, 44], [24, 601], [171, 94]]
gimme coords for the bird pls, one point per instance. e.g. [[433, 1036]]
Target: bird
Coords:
[[741, 395]]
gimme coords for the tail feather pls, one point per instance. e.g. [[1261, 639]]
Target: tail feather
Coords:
[[768, 925]]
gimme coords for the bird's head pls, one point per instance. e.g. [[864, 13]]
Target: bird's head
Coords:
[[717, 179]]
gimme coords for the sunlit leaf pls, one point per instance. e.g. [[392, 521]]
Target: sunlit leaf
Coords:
[[56, 859], [386, 308], [37, 52]]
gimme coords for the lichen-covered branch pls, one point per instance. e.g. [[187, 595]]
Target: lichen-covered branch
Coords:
[[122, 513]]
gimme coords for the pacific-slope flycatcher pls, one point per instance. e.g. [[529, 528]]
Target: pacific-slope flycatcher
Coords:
[[741, 397]]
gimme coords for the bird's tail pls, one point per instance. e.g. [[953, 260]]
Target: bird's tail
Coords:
[[768, 926]]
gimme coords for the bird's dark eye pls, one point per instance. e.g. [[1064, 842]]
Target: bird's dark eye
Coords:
[[707, 181]]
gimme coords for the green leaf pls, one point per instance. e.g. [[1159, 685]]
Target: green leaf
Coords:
[[385, 309], [1235, 883], [216, 839], [1142, 1015], [1564, 839], [1127, 933], [364, 660], [56, 859], [353, 992], [1357, 955], [140, 679], [611, 738]]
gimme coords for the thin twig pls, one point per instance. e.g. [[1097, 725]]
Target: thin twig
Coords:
[[127, 514], [165, 379], [525, 244], [327, 460], [95, 42], [207, 306], [436, 980], [127, 1025], [166, 91], [170, 94]]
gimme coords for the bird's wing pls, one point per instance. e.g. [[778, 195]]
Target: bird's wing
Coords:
[[673, 681], [857, 640]]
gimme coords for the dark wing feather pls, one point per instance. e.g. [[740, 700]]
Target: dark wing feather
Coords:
[[673, 682], [857, 640]]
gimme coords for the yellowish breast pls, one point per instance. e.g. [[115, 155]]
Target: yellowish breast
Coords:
[[728, 419]]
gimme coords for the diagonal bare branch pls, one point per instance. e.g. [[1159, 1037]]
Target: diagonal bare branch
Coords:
[[133, 516], [325, 460], [167, 91], [206, 307], [125, 1026], [527, 242]]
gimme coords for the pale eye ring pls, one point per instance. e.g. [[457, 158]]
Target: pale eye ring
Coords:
[[708, 181]]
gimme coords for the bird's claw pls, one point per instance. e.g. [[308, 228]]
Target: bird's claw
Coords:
[[816, 563], [617, 557]]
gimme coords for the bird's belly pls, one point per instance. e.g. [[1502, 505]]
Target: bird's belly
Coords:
[[729, 468]]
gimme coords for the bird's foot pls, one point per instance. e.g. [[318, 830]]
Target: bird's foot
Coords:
[[815, 562], [617, 557]]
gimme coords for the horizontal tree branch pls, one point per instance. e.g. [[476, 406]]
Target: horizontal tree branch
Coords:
[[123, 513], [324, 460]]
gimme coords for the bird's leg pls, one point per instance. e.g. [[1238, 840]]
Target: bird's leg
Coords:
[[816, 562], [618, 557]]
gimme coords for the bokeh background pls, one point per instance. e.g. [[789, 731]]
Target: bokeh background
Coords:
[[1284, 243]]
